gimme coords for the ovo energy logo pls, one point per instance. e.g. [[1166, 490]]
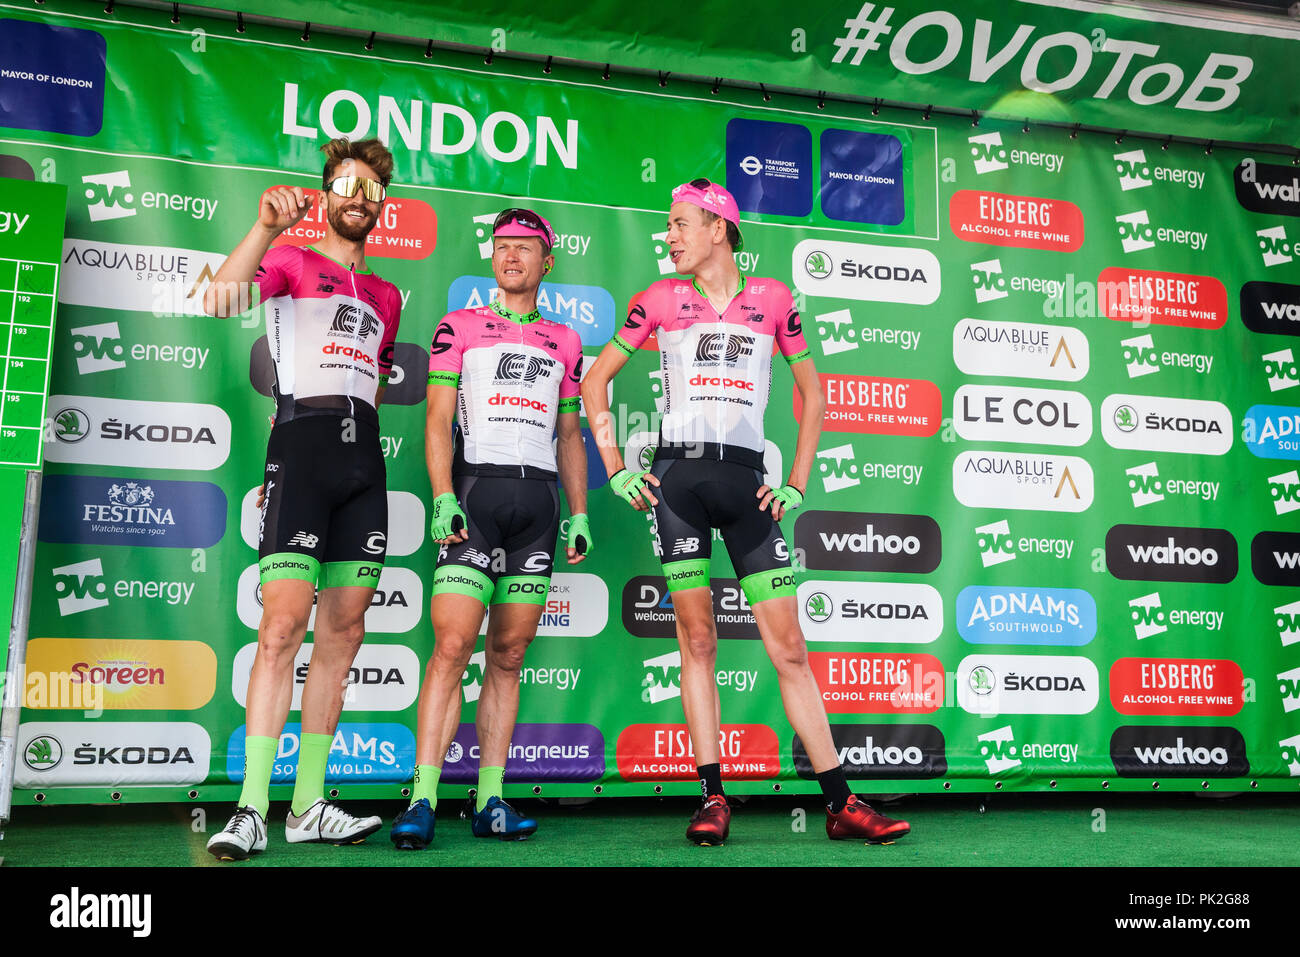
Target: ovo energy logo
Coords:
[[1280, 367], [995, 543], [998, 749], [662, 679], [1148, 616], [1133, 170], [1288, 622], [838, 469], [98, 348], [988, 280], [988, 153], [80, 587], [837, 332], [1285, 491], [1273, 246], [106, 196], [1135, 232], [1144, 484]]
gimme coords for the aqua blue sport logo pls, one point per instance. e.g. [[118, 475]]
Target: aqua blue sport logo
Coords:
[[83, 509], [1272, 431], [359, 752], [989, 615], [587, 310]]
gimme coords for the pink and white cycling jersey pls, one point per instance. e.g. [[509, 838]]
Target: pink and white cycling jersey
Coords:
[[331, 331], [514, 378], [716, 369]]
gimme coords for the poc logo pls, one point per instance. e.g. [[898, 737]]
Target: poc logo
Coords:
[[988, 280], [1133, 170], [1140, 356], [1145, 485], [662, 678], [662, 253], [998, 749], [1288, 622], [988, 153], [1285, 490], [1135, 231], [837, 332], [994, 543], [1273, 246], [838, 469], [483, 234], [107, 196], [1148, 616], [98, 348], [1281, 369], [80, 587]]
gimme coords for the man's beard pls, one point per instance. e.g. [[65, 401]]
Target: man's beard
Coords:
[[347, 228]]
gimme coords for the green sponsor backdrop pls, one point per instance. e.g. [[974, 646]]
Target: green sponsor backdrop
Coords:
[[199, 121]]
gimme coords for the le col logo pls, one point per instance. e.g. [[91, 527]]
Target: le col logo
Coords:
[[1163, 424], [1136, 173], [990, 155], [111, 196], [997, 413]]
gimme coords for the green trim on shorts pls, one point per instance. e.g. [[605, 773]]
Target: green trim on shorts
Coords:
[[445, 378], [799, 357], [693, 573], [383, 379], [288, 565], [773, 583], [462, 580], [622, 345], [570, 404], [361, 574], [521, 590]]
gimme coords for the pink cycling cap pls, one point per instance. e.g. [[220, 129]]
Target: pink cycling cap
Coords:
[[711, 197], [524, 222]]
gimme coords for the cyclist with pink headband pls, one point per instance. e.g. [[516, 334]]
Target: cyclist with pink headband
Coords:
[[509, 378], [716, 332]]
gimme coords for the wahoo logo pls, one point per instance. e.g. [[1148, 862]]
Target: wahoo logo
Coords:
[[715, 347], [107, 196], [517, 367], [483, 234], [80, 587], [662, 678], [995, 543], [354, 321], [471, 682], [1288, 686], [988, 280], [1288, 623], [662, 253], [98, 348], [838, 469], [1135, 232], [1178, 752], [998, 749], [1273, 246], [1275, 558], [1140, 356], [1133, 170], [1148, 616], [1291, 754], [1285, 490], [1145, 485], [988, 153], [837, 332], [1281, 369]]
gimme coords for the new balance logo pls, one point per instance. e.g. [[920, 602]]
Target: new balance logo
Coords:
[[1140, 356], [1281, 369], [518, 367], [988, 280], [1133, 170], [354, 320], [988, 153], [994, 543], [1285, 490], [474, 556], [80, 587], [837, 332], [998, 749], [838, 469], [109, 197], [1288, 686], [715, 347], [1145, 485], [1273, 246], [1288, 623], [304, 540], [1148, 616], [98, 348], [684, 546], [1135, 232]]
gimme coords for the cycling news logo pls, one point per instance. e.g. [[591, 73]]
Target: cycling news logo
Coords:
[[405, 229], [161, 280], [1271, 308], [868, 541], [862, 177], [662, 677], [362, 751], [517, 367], [878, 405], [577, 604], [995, 543], [80, 587], [1284, 489], [1164, 298], [1024, 350], [990, 155], [143, 435], [108, 196], [587, 310], [406, 521], [659, 752], [111, 753], [990, 284], [1149, 618], [1027, 684], [98, 348], [119, 673], [395, 607], [1291, 754], [648, 606], [1287, 620], [1162, 424], [1275, 558], [1171, 554], [1178, 686], [1281, 370], [867, 273], [1288, 686], [1267, 188], [876, 612], [1029, 222], [1021, 480], [881, 751], [1000, 413], [769, 167], [858, 683], [82, 509], [1274, 246], [380, 678], [998, 749], [1011, 615], [1178, 752], [538, 752]]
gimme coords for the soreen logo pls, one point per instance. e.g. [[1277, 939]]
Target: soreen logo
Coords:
[[1022, 221], [1163, 424], [998, 413], [988, 615], [1020, 349], [863, 272], [868, 541], [1178, 752], [1167, 553]]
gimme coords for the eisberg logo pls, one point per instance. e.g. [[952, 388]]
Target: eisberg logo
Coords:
[[1029, 222], [1021, 349], [1027, 684], [877, 405], [998, 413], [893, 612], [1162, 424], [863, 272], [1178, 752], [1274, 246], [1169, 553], [1056, 483], [659, 752], [1004, 615], [868, 541], [1165, 298], [858, 683]]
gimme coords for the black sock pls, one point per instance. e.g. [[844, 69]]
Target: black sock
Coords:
[[835, 786], [710, 779]]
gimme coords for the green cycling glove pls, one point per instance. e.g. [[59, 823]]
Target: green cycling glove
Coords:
[[448, 518], [789, 497], [580, 534], [628, 485]]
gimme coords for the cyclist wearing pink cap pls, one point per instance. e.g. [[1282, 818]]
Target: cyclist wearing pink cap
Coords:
[[509, 378], [716, 332]]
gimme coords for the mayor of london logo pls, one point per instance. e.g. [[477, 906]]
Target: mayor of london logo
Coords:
[[71, 425], [818, 264]]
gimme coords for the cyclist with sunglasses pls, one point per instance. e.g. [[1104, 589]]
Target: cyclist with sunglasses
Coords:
[[509, 378], [331, 324], [716, 332]]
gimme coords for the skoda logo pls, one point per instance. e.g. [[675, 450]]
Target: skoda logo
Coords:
[[982, 680], [751, 165], [818, 606], [647, 456], [71, 425], [43, 753], [1126, 418], [818, 264], [455, 752]]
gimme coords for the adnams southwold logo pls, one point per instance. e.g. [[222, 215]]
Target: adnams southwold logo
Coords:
[[1274, 246], [1135, 172], [990, 155], [1146, 487], [111, 196], [1141, 357], [1162, 424], [1024, 350], [869, 273], [1137, 233], [1009, 615]]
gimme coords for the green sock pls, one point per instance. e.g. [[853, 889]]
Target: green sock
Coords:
[[426, 783], [489, 785], [309, 785], [259, 756]]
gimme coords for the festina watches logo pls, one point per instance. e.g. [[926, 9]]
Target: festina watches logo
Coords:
[[1144, 484], [998, 749], [838, 470], [129, 503], [1274, 246], [98, 348], [988, 280], [995, 543], [1148, 616], [1285, 491], [1280, 367], [837, 332], [1287, 619]]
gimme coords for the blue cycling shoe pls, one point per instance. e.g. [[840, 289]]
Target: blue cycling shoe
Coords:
[[413, 828], [499, 819]]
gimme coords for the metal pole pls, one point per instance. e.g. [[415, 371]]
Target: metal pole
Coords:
[[16, 666]]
